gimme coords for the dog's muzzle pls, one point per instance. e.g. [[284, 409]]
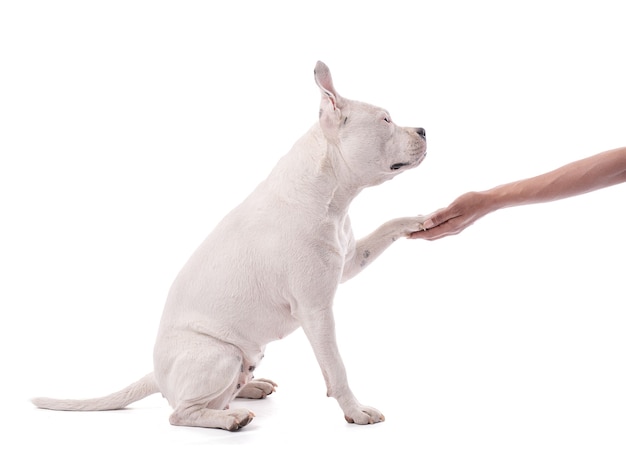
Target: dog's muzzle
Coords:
[[422, 133]]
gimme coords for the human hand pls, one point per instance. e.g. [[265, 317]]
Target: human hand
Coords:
[[464, 211]]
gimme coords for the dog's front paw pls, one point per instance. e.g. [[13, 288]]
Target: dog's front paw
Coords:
[[257, 388], [362, 414], [406, 226]]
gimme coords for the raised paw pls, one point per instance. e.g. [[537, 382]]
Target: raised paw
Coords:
[[406, 226], [364, 415], [257, 388]]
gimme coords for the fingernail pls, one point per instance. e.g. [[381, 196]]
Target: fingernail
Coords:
[[428, 224]]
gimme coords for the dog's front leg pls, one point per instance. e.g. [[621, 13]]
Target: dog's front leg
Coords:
[[319, 327], [367, 249]]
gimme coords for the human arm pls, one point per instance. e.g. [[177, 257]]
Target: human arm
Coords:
[[589, 174]]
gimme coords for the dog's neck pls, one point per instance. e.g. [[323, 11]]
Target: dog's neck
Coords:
[[314, 174]]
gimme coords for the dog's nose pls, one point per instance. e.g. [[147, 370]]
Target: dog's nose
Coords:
[[421, 132]]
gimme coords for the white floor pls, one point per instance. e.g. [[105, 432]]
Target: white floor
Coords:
[[453, 391]]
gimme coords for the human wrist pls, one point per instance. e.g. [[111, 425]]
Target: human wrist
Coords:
[[495, 198]]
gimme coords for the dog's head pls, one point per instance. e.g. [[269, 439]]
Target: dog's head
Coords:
[[369, 143]]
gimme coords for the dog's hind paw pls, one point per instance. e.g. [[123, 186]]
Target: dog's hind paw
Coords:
[[233, 419], [257, 388], [238, 420]]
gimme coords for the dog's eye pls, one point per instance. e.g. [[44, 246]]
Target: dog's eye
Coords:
[[387, 119]]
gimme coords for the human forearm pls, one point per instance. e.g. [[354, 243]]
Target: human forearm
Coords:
[[588, 174]]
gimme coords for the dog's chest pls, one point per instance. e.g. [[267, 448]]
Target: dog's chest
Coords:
[[345, 238]]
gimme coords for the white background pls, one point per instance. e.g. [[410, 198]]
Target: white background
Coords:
[[128, 129]]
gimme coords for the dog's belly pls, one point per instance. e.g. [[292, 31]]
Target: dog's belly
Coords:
[[234, 297], [261, 326]]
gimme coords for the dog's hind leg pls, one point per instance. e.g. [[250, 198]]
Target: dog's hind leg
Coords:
[[202, 380], [197, 416]]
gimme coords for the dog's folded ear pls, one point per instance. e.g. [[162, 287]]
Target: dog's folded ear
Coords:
[[330, 108]]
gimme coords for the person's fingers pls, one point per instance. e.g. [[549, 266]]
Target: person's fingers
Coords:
[[448, 228], [430, 234], [436, 218]]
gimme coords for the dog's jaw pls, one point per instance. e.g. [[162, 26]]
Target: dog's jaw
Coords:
[[397, 168]]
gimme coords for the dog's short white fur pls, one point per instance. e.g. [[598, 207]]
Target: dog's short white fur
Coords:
[[272, 265]]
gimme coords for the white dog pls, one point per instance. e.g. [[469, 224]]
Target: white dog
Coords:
[[272, 265]]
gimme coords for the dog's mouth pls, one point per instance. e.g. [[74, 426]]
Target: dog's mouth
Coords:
[[398, 166]]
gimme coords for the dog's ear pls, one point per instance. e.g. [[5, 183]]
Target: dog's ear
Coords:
[[330, 108], [325, 82]]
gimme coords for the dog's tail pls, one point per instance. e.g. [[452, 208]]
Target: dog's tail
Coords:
[[136, 391]]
